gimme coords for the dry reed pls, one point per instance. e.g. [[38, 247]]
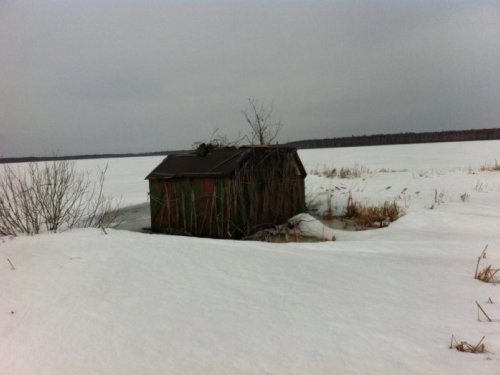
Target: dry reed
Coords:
[[480, 309], [490, 167], [487, 274], [367, 216], [464, 346]]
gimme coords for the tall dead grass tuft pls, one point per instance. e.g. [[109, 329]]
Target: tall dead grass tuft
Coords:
[[353, 209], [328, 214], [367, 216], [487, 274], [356, 171], [495, 167]]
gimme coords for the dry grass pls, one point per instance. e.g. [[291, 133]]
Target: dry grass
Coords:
[[424, 173], [367, 216], [464, 346], [277, 234], [353, 209], [328, 214], [438, 199], [487, 274], [480, 311], [480, 187], [387, 170], [357, 171], [495, 167]]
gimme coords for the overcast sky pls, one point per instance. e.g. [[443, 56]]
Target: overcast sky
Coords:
[[128, 76]]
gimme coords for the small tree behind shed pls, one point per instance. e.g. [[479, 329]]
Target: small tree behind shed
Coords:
[[264, 129]]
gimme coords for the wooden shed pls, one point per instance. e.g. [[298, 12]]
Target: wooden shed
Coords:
[[228, 192]]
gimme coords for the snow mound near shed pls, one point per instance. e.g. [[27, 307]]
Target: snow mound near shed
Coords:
[[311, 227]]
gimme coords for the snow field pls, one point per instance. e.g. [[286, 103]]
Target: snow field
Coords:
[[374, 302]]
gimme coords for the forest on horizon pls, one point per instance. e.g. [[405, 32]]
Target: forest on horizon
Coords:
[[353, 141]]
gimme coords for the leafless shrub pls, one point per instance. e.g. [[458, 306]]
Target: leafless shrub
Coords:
[[16, 205], [464, 346], [263, 129], [52, 196]]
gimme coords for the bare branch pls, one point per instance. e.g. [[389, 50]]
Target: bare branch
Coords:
[[52, 196], [263, 130]]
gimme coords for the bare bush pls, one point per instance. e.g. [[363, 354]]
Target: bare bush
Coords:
[[263, 129], [52, 196]]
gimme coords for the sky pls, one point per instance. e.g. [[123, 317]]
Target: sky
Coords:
[[114, 76]]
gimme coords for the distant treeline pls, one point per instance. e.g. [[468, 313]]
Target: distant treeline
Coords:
[[400, 138], [362, 140], [79, 157]]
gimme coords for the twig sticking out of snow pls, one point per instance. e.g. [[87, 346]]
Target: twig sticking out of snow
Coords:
[[11, 265], [482, 256], [464, 346], [479, 308]]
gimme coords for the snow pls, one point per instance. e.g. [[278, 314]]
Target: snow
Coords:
[[382, 301]]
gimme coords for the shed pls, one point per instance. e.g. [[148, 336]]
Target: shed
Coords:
[[228, 192]]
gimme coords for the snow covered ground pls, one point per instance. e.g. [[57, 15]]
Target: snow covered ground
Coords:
[[382, 301]]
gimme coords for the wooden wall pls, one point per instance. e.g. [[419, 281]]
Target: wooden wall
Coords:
[[264, 191]]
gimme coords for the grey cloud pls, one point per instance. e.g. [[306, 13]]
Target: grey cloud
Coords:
[[113, 76]]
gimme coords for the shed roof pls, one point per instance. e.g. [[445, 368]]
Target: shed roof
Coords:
[[216, 163]]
